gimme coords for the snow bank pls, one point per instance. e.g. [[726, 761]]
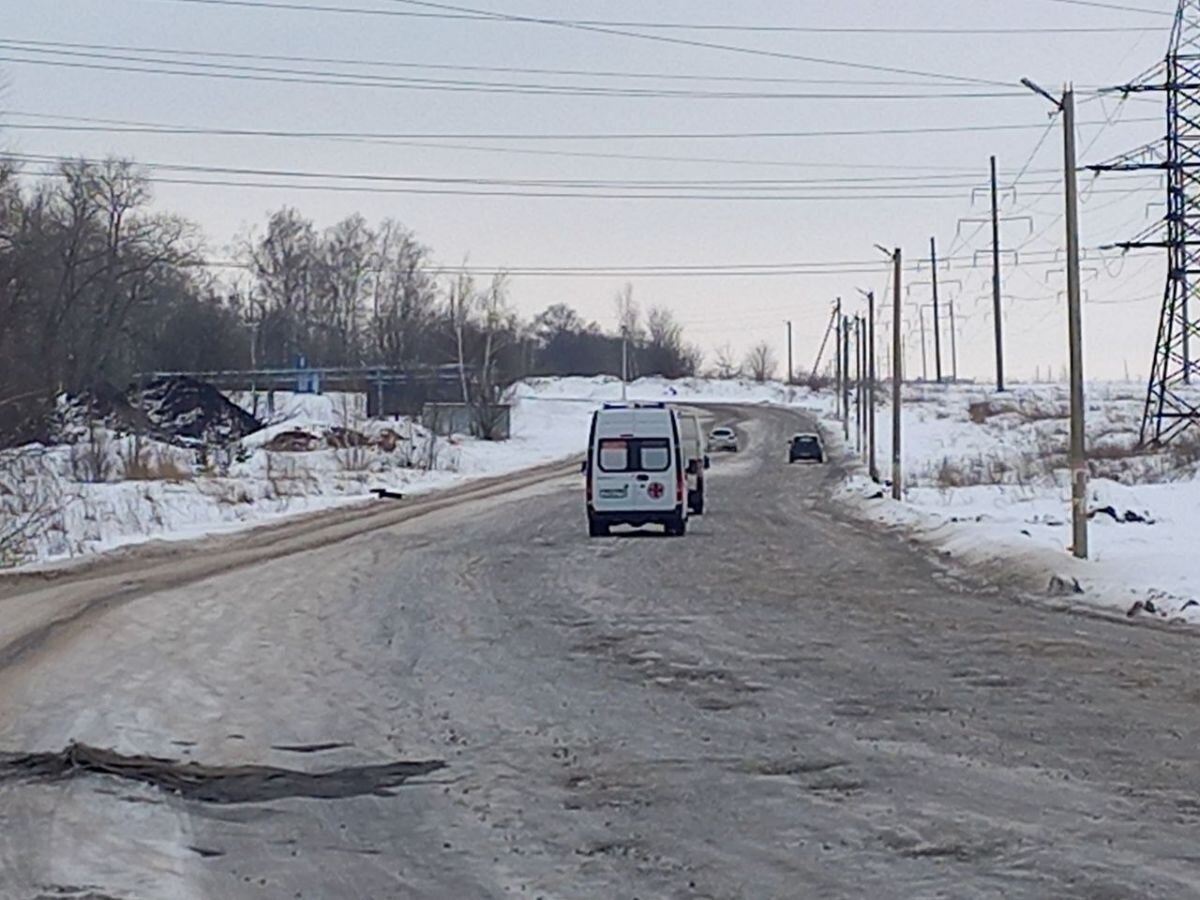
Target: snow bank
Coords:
[[986, 480], [73, 500], [696, 390]]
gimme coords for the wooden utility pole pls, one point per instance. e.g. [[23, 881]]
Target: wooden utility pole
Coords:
[[838, 373], [924, 356], [953, 344], [846, 377], [864, 353], [824, 342], [937, 327], [872, 464], [1078, 454], [897, 374], [858, 385], [996, 311], [1079, 473]]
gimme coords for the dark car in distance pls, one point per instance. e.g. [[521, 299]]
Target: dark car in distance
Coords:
[[806, 447]]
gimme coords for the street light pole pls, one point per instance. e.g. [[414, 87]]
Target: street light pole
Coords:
[[897, 376], [872, 461], [897, 365], [1079, 474], [996, 308], [937, 319], [789, 346]]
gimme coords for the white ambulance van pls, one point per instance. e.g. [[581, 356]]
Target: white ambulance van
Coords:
[[635, 470]]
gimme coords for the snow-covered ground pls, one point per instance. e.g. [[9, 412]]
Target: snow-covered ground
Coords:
[[985, 479], [68, 501]]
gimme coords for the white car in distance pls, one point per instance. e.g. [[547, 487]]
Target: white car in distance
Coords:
[[723, 439]]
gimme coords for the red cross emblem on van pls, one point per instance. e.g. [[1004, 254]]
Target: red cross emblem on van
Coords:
[[655, 490]]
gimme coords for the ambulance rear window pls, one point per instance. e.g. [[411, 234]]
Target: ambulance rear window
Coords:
[[635, 455], [655, 456], [614, 456]]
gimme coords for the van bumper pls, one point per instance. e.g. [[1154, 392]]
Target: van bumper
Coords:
[[636, 518]]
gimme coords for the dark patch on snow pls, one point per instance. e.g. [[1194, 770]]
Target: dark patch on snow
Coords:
[[1060, 586], [1128, 516], [70, 892], [311, 748], [386, 494], [344, 438], [293, 441], [206, 853], [1145, 606], [777, 768], [215, 784]]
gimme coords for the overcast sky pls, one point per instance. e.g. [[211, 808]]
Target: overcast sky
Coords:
[[925, 183]]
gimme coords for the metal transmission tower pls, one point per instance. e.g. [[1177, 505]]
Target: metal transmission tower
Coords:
[[1169, 408]]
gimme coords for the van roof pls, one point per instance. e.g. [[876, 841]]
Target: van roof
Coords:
[[635, 422]]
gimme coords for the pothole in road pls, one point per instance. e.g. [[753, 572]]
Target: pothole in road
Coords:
[[785, 767], [67, 892], [215, 784]]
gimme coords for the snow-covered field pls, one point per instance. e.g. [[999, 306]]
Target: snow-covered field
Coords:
[[985, 479]]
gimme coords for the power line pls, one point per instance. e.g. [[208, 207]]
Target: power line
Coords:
[[1119, 7], [869, 189], [801, 267], [276, 75], [57, 46], [677, 26], [950, 180], [685, 42], [168, 130], [119, 126]]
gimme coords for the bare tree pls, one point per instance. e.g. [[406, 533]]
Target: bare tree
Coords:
[[761, 362], [460, 301], [284, 263], [404, 297], [664, 351], [629, 330], [498, 324], [726, 365], [344, 271]]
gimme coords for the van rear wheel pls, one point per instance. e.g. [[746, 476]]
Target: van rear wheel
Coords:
[[677, 527], [597, 529]]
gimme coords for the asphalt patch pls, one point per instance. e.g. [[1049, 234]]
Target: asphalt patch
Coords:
[[215, 784]]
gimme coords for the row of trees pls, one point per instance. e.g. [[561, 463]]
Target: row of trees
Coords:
[[96, 285]]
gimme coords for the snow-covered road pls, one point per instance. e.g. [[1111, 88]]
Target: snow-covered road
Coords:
[[786, 703]]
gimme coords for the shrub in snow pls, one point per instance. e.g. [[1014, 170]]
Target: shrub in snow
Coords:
[[94, 458], [31, 501]]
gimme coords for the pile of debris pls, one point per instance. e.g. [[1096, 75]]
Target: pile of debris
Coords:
[[175, 410], [186, 411]]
